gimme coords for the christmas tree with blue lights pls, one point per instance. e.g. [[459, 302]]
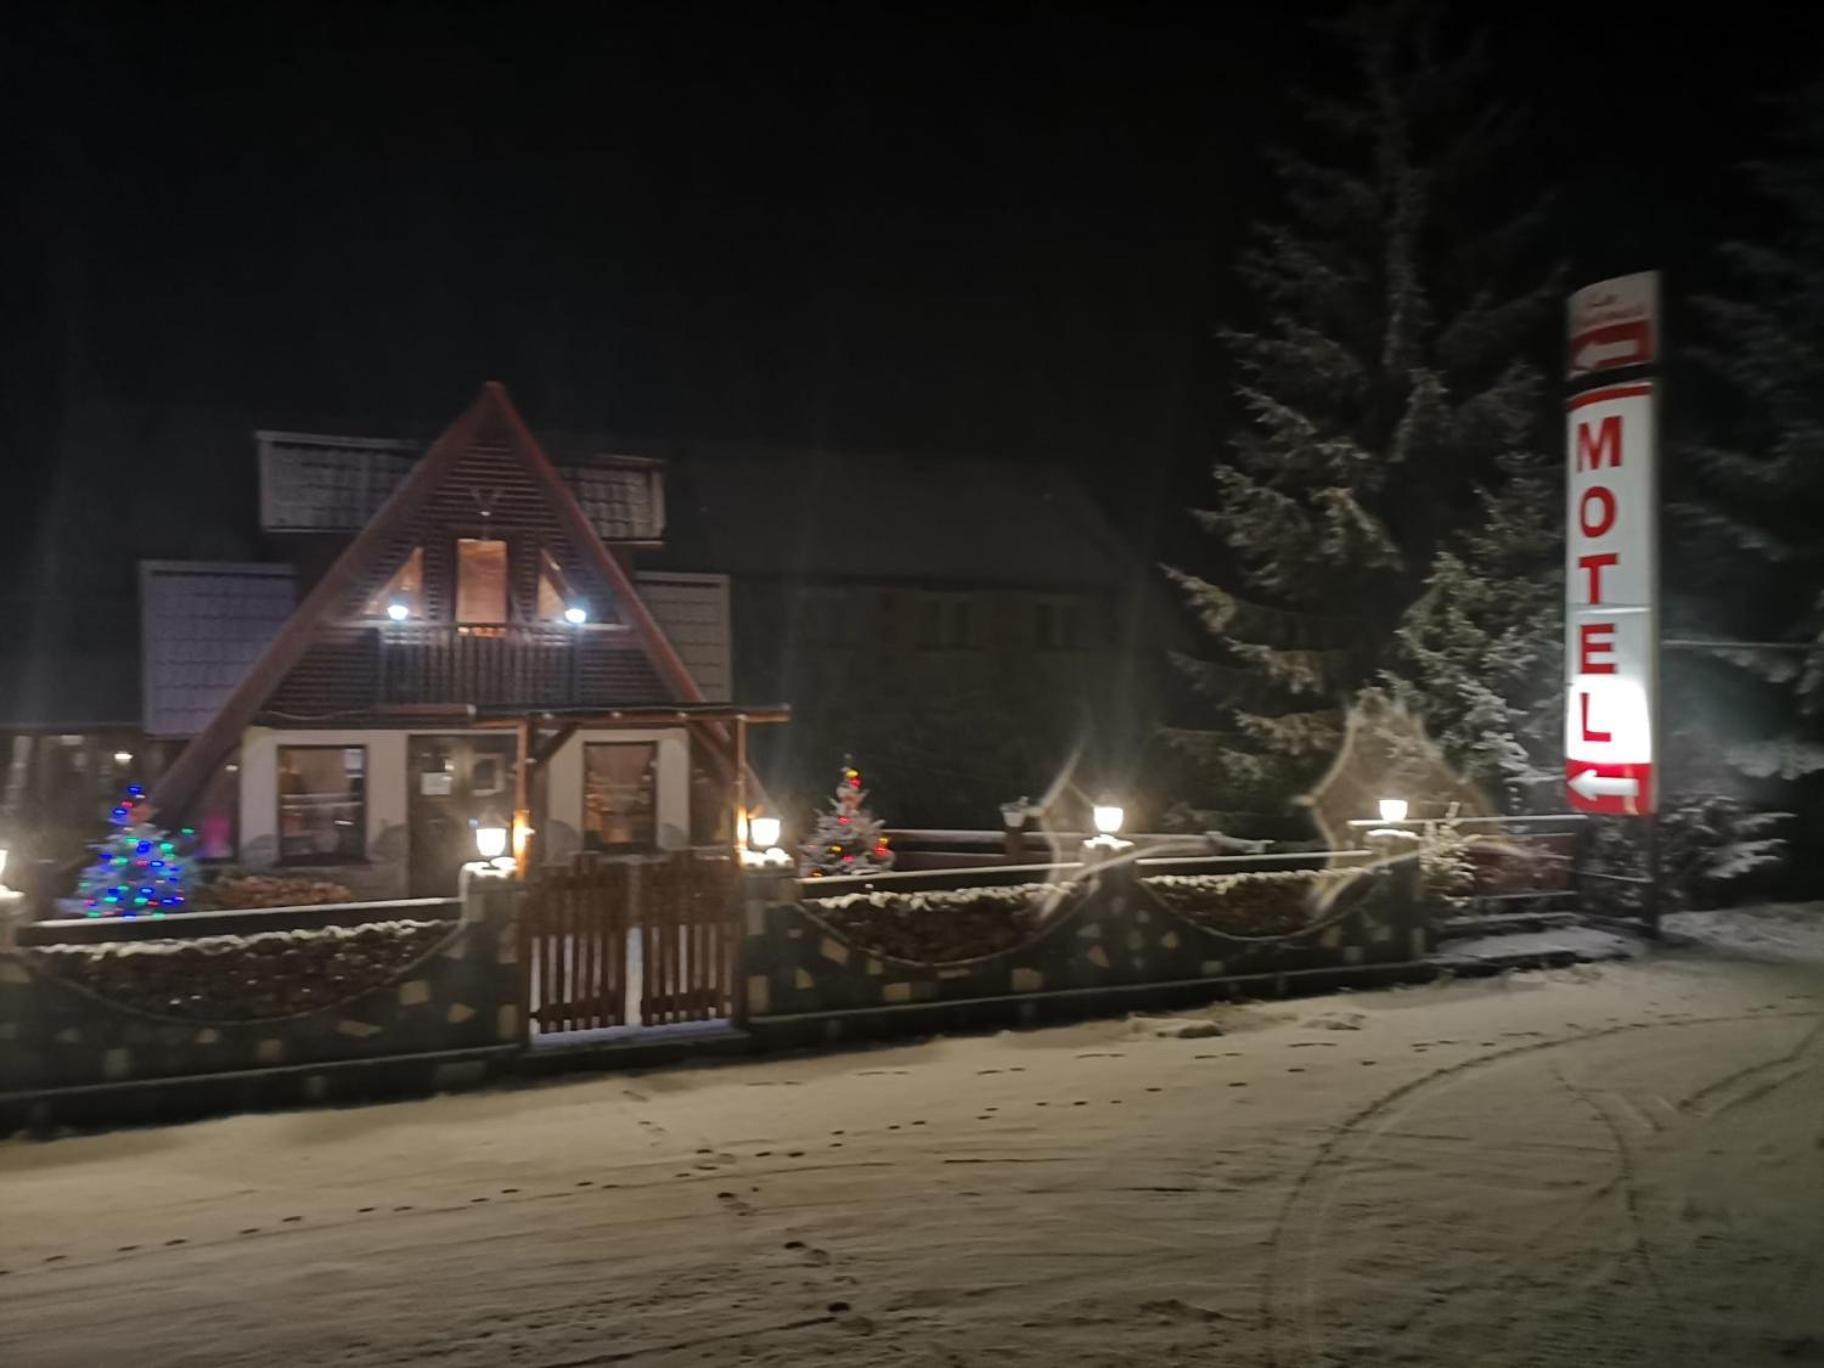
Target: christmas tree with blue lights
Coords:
[[140, 870]]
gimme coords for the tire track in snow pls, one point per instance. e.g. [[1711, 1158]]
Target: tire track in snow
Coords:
[[1288, 1334]]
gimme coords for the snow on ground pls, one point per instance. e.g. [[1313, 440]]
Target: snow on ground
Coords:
[[1790, 931], [1585, 942], [1607, 1165]]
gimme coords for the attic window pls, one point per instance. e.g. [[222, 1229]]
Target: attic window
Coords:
[[405, 589], [555, 596], [481, 581]]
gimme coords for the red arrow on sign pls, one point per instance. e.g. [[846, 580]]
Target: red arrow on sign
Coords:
[[1624, 790], [1612, 345]]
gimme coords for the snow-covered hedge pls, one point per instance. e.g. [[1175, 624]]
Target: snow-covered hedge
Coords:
[[941, 927], [235, 890], [1257, 903], [244, 978]]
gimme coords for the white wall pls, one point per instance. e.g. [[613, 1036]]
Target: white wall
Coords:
[[384, 872], [563, 802]]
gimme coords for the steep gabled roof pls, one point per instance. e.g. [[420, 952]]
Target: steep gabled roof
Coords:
[[493, 418]]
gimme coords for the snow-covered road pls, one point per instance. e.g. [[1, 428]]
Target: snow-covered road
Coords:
[[1610, 1165]]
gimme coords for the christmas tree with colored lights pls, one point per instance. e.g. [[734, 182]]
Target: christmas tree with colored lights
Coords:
[[849, 839], [140, 870]]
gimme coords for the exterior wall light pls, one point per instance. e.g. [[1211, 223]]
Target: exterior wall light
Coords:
[[397, 611], [1107, 817], [491, 838], [576, 615], [763, 832], [1394, 809], [123, 757]]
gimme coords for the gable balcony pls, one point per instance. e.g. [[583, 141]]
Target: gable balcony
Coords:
[[525, 665]]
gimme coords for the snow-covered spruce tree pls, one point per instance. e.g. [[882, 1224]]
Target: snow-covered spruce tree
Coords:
[[1384, 382], [1750, 498], [1481, 651]]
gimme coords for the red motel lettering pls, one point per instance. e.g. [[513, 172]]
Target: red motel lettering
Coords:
[[1594, 640], [1590, 455], [1593, 566]]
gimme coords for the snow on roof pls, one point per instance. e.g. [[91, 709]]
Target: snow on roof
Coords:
[[202, 624]]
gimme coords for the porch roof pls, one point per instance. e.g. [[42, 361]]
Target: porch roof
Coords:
[[626, 715]]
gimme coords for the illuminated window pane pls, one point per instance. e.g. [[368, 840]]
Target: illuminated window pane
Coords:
[[553, 592], [405, 587], [620, 795], [322, 804], [481, 581]]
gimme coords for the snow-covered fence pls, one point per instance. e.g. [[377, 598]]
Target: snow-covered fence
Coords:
[[831, 956], [268, 1014], [238, 922]]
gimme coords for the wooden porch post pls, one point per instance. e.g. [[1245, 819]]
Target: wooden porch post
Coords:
[[523, 833], [740, 782]]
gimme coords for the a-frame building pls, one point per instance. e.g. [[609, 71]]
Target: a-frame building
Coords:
[[479, 608]]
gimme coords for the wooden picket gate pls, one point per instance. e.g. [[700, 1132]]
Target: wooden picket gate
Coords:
[[611, 943]]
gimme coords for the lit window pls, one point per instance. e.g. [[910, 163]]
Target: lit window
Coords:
[[481, 581], [620, 795], [556, 600], [322, 804], [405, 590]]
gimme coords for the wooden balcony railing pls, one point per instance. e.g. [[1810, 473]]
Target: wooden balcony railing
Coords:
[[531, 666]]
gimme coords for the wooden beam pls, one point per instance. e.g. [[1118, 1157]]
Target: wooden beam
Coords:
[[523, 834], [553, 744], [740, 782]]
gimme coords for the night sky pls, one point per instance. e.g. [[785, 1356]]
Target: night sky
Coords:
[[845, 225]]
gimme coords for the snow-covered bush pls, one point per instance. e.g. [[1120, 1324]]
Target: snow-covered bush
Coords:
[[1256, 903], [1712, 849], [244, 978], [941, 926], [1447, 869]]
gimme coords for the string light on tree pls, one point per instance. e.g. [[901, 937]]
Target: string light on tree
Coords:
[[848, 839], [140, 870]]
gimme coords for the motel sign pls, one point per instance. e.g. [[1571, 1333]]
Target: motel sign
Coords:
[[1611, 585]]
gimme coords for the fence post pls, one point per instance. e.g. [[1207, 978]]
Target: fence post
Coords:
[[755, 892], [12, 917]]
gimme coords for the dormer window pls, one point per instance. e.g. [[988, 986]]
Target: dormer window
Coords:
[[401, 598], [481, 582]]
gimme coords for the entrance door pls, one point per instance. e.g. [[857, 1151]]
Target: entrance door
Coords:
[[455, 782]]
